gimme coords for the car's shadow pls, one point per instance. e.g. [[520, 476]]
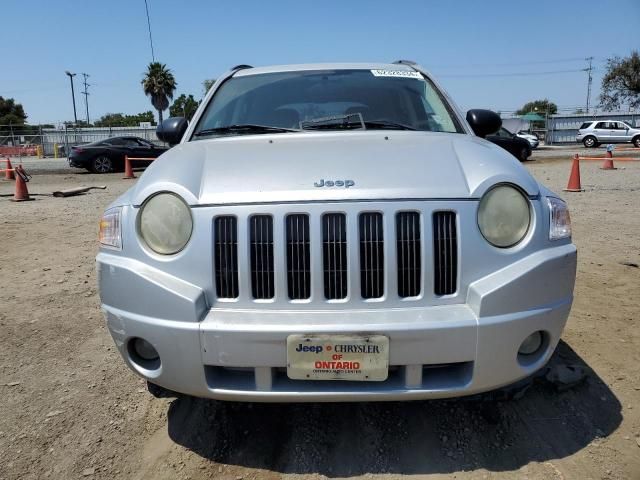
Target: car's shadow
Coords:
[[443, 436]]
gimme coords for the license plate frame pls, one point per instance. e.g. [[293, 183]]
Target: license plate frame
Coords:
[[352, 357]]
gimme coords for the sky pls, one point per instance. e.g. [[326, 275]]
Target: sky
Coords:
[[486, 54]]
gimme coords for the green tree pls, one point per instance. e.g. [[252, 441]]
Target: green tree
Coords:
[[621, 83], [207, 84], [120, 120], [538, 106], [159, 84], [184, 106], [11, 113]]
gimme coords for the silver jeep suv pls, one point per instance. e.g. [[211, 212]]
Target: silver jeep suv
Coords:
[[593, 133], [335, 232]]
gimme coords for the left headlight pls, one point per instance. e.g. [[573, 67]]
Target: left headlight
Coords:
[[110, 234], [504, 216], [165, 223]]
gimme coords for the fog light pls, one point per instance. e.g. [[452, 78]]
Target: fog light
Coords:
[[144, 349], [531, 344]]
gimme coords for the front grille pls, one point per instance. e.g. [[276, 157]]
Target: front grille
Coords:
[[408, 254], [261, 252], [318, 255], [371, 255], [225, 248], [334, 255], [298, 257], [445, 253]]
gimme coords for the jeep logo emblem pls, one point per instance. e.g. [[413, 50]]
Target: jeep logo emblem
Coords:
[[334, 183]]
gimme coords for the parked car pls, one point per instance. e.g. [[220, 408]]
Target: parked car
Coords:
[[516, 146], [593, 133], [529, 137], [106, 156], [334, 232]]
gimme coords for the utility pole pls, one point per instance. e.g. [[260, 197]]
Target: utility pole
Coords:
[[86, 94], [73, 96], [589, 81]]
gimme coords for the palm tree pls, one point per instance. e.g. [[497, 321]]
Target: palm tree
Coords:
[[159, 84]]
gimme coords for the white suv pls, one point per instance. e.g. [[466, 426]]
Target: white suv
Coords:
[[594, 133]]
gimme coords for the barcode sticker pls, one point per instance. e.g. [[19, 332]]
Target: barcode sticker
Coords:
[[397, 73]]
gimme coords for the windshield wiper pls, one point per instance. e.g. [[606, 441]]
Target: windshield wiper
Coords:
[[352, 121], [334, 122], [387, 125], [245, 128]]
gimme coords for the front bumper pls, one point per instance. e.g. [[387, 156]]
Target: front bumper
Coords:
[[77, 163], [435, 352]]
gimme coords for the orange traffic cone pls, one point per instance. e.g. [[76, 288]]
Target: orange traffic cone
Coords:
[[128, 171], [21, 194], [608, 162], [574, 178], [8, 174]]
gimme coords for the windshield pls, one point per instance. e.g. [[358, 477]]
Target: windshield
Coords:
[[326, 100]]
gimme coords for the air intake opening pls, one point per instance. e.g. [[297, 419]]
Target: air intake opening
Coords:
[[408, 254], [334, 255], [261, 253], [371, 255], [445, 253], [225, 248], [298, 257]]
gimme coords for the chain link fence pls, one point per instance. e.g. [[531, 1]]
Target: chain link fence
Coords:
[[48, 141]]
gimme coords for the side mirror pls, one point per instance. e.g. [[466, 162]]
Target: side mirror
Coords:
[[484, 122], [172, 129]]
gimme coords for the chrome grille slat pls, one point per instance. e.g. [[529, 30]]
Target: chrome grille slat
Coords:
[[445, 253], [334, 244], [298, 257], [261, 251], [226, 256], [409, 266], [371, 255]]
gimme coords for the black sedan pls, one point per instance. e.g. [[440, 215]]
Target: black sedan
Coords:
[[516, 146], [106, 156]]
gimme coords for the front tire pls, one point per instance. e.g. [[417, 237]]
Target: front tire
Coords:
[[524, 154], [636, 141], [590, 142], [102, 164]]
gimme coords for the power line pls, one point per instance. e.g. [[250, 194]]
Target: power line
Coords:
[[509, 74], [146, 6], [86, 94], [509, 64]]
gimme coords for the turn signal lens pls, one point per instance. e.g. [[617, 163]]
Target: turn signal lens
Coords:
[[110, 234], [559, 219]]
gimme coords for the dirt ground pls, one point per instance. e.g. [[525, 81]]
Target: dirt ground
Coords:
[[70, 408]]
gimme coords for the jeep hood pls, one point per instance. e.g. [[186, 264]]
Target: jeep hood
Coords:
[[286, 167]]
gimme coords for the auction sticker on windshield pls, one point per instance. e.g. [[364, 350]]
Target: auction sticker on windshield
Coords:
[[338, 357], [397, 73]]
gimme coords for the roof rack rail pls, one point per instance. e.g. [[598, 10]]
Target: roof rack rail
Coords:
[[404, 62], [242, 66]]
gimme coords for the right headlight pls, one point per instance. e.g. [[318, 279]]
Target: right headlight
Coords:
[[504, 216], [165, 223], [559, 219]]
